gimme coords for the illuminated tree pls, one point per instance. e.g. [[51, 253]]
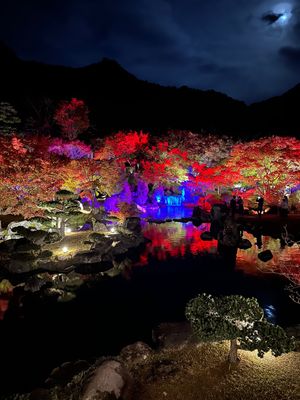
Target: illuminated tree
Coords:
[[268, 164], [238, 319], [28, 175], [165, 166], [72, 117], [63, 209], [9, 119], [122, 146], [201, 148]]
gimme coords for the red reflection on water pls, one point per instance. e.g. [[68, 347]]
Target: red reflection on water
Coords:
[[174, 239], [285, 261], [3, 307], [196, 244]]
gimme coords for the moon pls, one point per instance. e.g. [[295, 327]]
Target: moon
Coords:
[[285, 12]]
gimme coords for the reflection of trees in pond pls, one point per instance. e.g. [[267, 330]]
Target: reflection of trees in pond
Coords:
[[174, 239], [285, 261]]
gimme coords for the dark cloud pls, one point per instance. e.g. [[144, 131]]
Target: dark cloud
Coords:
[[270, 18], [291, 55], [226, 45]]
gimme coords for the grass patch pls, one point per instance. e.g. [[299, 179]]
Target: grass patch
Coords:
[[201, 372]]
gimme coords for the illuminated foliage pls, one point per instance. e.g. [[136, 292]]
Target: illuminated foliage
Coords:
[[122, 146], [34, 167], [202, 148], [72, 117], [268, 164], [28, 174], [74, 149]]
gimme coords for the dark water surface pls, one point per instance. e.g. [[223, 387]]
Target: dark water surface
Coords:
[[111, 313]]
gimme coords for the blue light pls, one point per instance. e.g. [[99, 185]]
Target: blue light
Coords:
[[270, 313], [173, 201]]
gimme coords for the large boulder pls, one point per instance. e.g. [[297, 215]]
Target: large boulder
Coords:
[[265, 255], [133, 224], [200, 214], [245, 244], [206, 236], [22, 245], [109, 379], [100, 226], [34, 284], [26, 224], [136, 352], [37, 237], [63, 374]]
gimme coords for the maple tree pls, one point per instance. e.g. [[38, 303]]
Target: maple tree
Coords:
[[72, 117], [34, 167], [201, 148], [28, 174], [268, 164]]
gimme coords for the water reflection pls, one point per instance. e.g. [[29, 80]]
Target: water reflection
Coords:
[[3, 307], [283, 257], [175, 239]]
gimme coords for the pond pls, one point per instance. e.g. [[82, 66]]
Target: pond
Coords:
[[38, 334]]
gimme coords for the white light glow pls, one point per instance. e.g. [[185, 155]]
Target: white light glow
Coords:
[[65, 249]]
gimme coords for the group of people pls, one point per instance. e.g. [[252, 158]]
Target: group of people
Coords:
[[237, 206]]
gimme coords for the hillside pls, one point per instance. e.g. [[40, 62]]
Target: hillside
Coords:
[[118, 100]]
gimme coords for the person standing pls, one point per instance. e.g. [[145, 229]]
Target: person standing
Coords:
[[240, 205], [233, 206], [284, 207], [260, 201]]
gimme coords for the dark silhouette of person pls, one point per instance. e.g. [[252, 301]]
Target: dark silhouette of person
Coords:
[[233, 206], [260, 201], [240, 205], [218, 214], [284, 207], [257, 233]]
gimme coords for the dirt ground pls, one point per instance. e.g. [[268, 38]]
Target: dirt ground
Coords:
[[202, 373]]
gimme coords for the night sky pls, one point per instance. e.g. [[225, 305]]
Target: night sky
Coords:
[[248, 49]]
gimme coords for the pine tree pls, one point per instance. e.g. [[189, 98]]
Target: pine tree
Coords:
[[238, 319]]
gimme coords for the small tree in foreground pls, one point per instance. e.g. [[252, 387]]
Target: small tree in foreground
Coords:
[[238, 319]]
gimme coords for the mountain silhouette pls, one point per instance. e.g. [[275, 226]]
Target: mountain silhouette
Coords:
[[118, 100]]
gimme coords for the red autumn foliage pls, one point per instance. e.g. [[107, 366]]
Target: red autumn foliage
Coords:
[[72, 117]]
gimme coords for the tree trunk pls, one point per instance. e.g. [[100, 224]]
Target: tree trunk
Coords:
[[63, 228], [233, 355]]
